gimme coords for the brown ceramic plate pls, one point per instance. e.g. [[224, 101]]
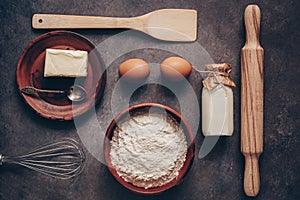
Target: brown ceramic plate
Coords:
[[30, 72], [144, 107]]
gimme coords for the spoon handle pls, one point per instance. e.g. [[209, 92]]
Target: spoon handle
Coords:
[[32, 90]]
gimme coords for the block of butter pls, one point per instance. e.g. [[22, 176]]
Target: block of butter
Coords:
[[65, 63]]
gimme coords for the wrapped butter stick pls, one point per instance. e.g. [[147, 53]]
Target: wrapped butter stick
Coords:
[[65, 63], [217, 101]]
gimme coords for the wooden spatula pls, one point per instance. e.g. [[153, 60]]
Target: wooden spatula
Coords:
[[252, 100], [165, 24]]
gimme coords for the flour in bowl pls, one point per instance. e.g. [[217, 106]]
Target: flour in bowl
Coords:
[[148, 149]]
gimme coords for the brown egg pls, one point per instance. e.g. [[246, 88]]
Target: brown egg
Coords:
[[134, 70], [175, 68]]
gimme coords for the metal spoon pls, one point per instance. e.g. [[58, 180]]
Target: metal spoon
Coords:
[[73, 93]]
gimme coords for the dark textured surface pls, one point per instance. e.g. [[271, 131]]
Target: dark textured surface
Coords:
[[221, 33]]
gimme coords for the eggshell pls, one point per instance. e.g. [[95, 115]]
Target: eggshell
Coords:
[[134, 70], [175, 68]]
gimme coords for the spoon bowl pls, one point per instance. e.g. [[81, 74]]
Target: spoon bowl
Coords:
[[74, 93]]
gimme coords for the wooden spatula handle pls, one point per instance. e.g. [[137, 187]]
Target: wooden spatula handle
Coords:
[[46, 21], [252, 100]]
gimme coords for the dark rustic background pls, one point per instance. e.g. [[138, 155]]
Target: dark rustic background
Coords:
[[221, 33]]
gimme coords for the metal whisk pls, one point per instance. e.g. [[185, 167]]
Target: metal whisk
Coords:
[[62, 159]]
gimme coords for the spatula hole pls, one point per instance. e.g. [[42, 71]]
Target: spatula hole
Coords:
[[40, 21]]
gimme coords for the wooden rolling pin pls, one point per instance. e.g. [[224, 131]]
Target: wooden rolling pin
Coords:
[[252, 100]]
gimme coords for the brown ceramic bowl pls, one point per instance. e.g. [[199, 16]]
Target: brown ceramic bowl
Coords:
[[30, 72], [182, 172]]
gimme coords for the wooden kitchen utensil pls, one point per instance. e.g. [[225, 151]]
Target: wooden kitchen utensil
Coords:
[[252, 100], [164, 24]]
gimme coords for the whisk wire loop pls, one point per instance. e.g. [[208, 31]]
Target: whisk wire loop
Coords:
[[62, 159]]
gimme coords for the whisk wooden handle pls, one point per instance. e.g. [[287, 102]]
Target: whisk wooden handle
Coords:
[[252, 100]]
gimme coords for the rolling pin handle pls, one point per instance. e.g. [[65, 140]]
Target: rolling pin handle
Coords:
[[251, 175], [252, 24]]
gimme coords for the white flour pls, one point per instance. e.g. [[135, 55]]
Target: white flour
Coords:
[[148, 150]]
